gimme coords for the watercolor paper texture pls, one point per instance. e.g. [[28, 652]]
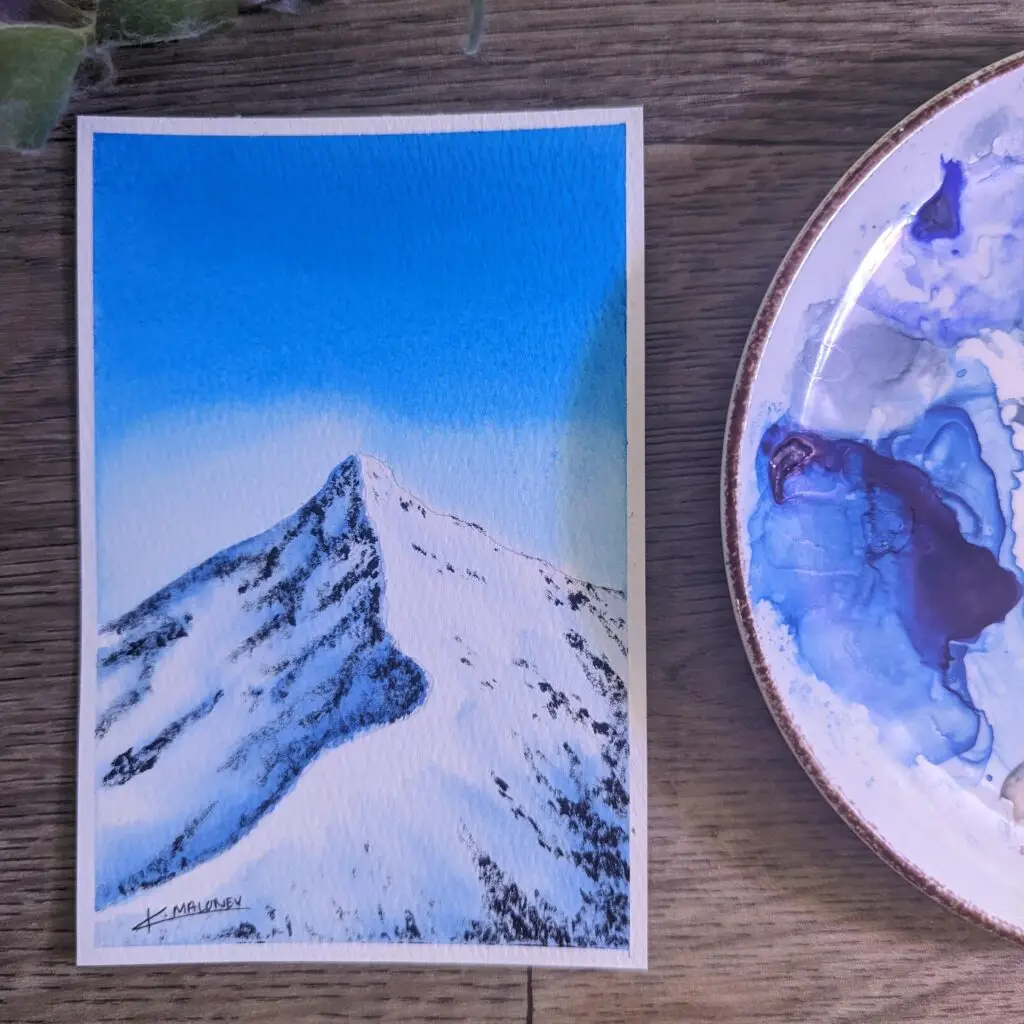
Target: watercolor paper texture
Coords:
[[362, 532]]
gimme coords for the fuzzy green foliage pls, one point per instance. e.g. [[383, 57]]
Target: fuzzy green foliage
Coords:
[[37, 67], [127, 22], [45, 44]]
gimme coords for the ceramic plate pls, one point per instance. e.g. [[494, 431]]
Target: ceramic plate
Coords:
[[874, 513]]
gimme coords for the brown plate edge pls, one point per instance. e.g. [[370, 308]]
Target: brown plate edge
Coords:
[[731, 468]]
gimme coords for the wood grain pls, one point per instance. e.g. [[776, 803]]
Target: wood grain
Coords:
[[763, 906]]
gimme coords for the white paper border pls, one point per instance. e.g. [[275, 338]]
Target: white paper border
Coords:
[[338, 952]]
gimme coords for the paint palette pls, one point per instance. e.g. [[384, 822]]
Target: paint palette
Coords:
[[874, 514]]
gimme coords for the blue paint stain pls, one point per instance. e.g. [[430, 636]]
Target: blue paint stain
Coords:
[[943, 442], [885, 580], [890, 561], [939, 217]]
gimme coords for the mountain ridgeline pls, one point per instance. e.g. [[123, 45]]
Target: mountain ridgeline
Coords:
[[373, 723]]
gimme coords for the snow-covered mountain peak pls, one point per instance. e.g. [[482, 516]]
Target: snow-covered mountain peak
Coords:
[[350, 473], [376, 721]]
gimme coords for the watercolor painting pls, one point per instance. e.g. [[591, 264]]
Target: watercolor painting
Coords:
[[886, 527], [363, 630]]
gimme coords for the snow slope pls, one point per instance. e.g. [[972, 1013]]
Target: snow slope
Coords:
[[371, 722]]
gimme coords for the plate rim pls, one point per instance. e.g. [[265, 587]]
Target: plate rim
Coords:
[[736, 425]]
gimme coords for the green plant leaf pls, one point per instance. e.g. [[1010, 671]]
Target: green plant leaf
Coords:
[[133, 22], [37, 67]]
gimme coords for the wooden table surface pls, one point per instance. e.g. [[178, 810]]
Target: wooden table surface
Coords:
[[763, 907]]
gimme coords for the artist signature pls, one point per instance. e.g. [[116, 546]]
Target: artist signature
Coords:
[[193, 908]]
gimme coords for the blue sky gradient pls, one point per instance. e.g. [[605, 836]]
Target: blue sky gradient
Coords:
[[466, 282], [451, 278]]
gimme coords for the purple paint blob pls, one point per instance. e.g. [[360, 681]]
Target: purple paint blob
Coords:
[[939, 217], [951, 589]]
